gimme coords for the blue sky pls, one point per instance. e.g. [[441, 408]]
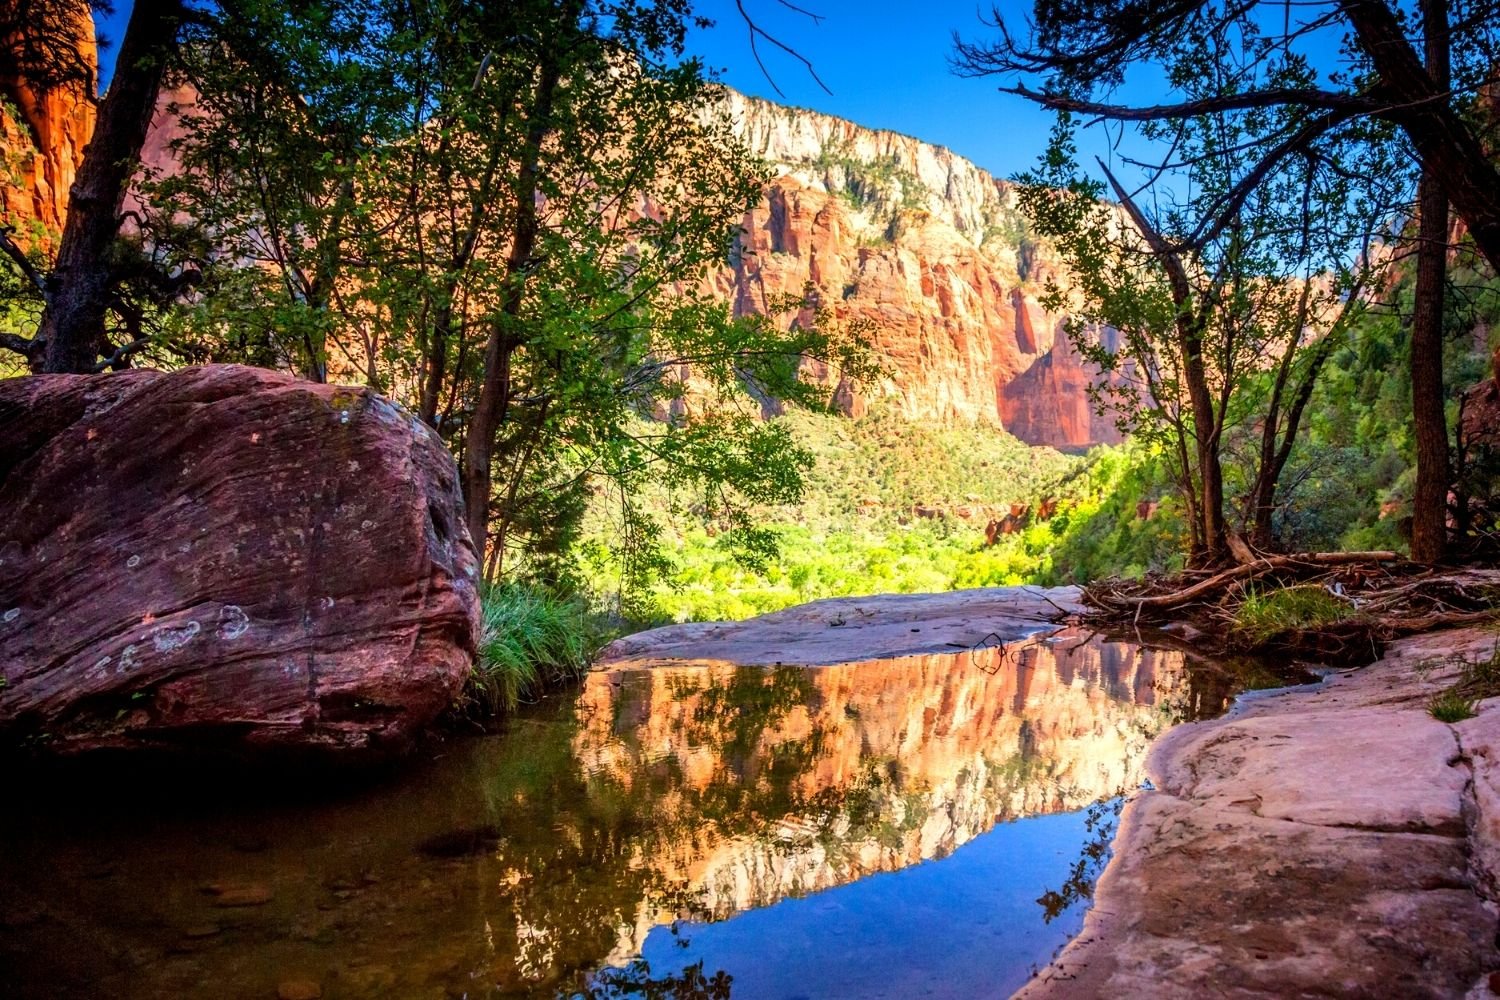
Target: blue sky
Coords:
[[885, 61], [886, 64]]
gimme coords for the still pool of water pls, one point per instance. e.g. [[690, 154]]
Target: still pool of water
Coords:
[[926, 826]]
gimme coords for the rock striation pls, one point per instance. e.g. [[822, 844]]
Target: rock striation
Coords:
[[225, 556]]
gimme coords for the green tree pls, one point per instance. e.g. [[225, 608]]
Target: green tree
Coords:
[[1418, 68], [1218, 337], [91, 293], [508, 218]]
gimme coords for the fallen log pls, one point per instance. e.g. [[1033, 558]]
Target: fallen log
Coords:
[[1248, 571]]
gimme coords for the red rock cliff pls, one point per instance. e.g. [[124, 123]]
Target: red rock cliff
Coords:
[[43, 131], [918, 242], [933, 253]]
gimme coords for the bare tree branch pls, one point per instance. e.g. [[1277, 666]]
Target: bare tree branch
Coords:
[[121, 355], [756, 31], [1271, 97], [15, 253], [29, 348]]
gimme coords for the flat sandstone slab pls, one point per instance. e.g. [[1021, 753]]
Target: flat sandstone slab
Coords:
[[846, 629], [1330, 842]]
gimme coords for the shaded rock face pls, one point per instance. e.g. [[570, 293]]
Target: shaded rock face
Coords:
[[1481, 411], [1049, 403], [225, 556]]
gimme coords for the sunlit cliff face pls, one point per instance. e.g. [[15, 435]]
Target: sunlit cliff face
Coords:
[[926, 250], [43, 133], [783, 781]]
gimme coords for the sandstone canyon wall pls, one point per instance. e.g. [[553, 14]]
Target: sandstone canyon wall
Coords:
[[923, 247], [43, 132], [927, 249]]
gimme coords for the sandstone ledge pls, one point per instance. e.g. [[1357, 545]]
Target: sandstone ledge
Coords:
[[844, 629], [1334, 841]]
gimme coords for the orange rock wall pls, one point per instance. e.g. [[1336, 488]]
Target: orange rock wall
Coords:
[[919, 244], [43, 133], [931, 253]]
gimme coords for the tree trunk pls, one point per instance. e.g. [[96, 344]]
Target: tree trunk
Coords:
[[1449, 149], [82, 282], [1189, 324], [1211, 474], [1429, 530], [494, 394], [436, 360]]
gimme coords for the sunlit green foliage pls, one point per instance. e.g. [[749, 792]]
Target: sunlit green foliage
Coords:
[[531, 639], [505, 218], [1352, 477], [858, 530], [1264, 615]]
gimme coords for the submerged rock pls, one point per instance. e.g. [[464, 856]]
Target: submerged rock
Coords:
[[229, 557]]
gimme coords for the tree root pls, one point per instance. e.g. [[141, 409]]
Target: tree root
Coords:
[[1387, 598], [1103, 598]]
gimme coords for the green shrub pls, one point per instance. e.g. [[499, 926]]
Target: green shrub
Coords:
[[532, 638], [1451, 706], [1265, 615], [855, 531]]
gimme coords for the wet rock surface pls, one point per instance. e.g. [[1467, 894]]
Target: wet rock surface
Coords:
[[225, 557], [1335, 841]]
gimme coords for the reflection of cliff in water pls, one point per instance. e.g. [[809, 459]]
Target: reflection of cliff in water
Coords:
[[521, 863], [769, 783]]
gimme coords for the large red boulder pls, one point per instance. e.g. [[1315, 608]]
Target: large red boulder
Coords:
[[225, 556]]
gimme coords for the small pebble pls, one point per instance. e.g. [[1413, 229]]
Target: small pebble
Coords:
[[201, 930]]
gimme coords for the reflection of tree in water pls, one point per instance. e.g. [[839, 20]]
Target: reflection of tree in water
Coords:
[[761, 774], [637, 980], [1211, 684], [577, 848], [1103, 817]]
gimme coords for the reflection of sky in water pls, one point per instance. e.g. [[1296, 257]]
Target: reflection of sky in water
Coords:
[[882, 828], [968, 925]]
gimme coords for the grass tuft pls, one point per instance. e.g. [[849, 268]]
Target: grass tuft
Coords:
[[1451, 706], [1478, 680], [1265, 615], [532, 638], [1481, 678]]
